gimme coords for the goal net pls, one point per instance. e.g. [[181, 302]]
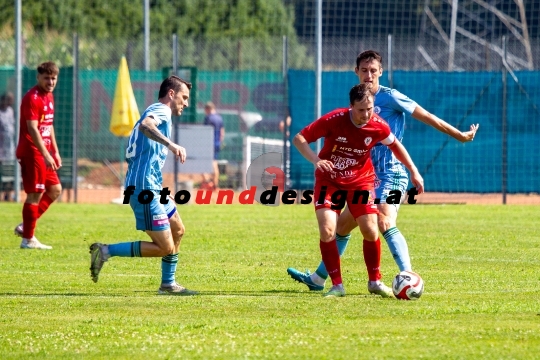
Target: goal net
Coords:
[[255, 146]]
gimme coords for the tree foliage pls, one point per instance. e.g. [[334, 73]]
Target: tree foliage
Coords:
[[124, 18], [212, 34]]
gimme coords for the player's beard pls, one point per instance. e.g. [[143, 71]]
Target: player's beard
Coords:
[[177, 110]]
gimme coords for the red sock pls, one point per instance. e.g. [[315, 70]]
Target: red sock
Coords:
[[44, 204], [372, 257], [330, 257], [30, 216]]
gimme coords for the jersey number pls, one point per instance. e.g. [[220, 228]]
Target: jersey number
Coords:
[[132, 146]]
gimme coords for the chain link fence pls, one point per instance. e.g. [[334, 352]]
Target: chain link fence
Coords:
[[243, 76], [247, 75]]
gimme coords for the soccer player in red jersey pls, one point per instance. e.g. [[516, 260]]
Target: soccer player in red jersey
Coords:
[[37, 152], [344, 172]]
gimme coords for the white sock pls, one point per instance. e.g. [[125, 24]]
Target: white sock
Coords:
[[317, 279], [105, 251]]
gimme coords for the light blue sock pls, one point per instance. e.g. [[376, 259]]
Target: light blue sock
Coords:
[[398, 247], [168, 268], [341, 242], [127, 249]]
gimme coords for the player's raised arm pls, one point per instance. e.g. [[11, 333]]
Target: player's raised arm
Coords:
[[403, 156], [429, 119], [149, 129], [303, 147]]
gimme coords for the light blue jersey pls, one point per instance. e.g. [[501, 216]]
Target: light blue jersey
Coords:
[[146, 157], [391, 105]]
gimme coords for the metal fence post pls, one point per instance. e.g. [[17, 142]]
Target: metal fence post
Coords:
[[504, 126], [75, 173], [175, 72], [389, 71], [18, 90]]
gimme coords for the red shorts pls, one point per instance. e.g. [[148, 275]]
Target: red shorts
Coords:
[[35, 175], [358, 206]]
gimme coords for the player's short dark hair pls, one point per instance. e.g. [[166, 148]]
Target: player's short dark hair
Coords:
[[360, 92], [368, 55], [173, 82], [49, 68]]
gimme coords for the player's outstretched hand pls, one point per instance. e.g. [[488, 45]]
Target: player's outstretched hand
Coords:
[[178, 151], [469, 135], [418, 182], [324, 165]]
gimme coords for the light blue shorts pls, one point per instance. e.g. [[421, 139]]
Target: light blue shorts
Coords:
[[390, 181], [153, 216]]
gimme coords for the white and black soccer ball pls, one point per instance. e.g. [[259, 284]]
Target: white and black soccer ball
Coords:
[[408, 285]]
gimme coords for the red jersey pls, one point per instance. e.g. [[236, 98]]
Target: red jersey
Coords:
[[35, 105], [347, 146]]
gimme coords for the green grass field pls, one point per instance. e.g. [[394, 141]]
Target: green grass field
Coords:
[[480, 265]]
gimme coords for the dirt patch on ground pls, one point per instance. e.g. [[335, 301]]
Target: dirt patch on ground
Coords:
[[99, 176]]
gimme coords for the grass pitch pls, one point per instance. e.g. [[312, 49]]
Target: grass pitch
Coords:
[[480, 265]]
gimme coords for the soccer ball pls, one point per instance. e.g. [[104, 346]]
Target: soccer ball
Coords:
[[408, 285]]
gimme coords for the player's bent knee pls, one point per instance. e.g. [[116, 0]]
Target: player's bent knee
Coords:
[[178, 234], [384, 223], [54, 191], [177, 230], [370, 233], [346, 227], [326, 238], [167, 249], [181, 231], [371, 237], [326, 235]]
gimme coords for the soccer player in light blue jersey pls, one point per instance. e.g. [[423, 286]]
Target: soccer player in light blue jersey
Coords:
[[155, 214], [392, 106]]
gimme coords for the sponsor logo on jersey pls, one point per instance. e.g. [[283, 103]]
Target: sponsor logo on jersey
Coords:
[[45, 130], [341, 163], [160, 219], [351, 150], [346, 174], [341, 139], [345, 153]]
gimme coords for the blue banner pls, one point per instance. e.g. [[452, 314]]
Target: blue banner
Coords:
[[461, 99]]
